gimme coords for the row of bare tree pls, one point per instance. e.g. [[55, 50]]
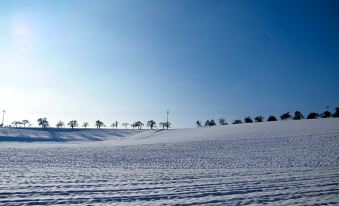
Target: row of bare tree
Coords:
[[43, 122], [297, 116]]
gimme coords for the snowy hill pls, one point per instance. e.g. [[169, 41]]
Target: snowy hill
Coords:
[[271, 163], [250, 131], [240, 131]]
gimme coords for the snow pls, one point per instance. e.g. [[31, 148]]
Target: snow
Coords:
[[280, 163], [61, 135]]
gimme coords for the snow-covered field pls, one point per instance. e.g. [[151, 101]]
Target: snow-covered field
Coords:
[[61, 135], [277, 163]]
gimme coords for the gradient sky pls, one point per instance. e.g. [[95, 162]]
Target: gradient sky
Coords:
[[133, 60]]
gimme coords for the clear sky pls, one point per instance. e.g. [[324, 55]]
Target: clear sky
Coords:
[[133, 60]]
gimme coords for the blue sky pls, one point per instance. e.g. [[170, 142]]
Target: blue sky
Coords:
[[133, 60]]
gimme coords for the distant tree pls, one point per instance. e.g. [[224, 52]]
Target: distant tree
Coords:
[[43, 122], [134, 125], [125, 125], [60, 124], [336, 114], [73, 123], [139, 124], [113, 125], [248, 119], [272, 118], [85, 124], [238, 121], [16, 123], [259, 118], [212, 123], [298, 115], [163, 124], [313, 115], [99, 124], [24, 122], [285, 116], [222, 121], [207, 123], [326, 114], [29, 124], [151, 124], [198, 123]]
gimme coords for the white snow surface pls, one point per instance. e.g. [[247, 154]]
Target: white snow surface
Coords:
[[61, 134], [274, 163]]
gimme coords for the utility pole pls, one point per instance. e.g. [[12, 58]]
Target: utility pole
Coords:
[[167, 123], [3, 117]]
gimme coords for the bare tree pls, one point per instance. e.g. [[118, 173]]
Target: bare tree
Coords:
[[248, 120], [198, 123], [134, 125], [43, 122], [313, 115], [115, 124], [85, 124], [139, 124], [336, 114], [212, 123], [222, 121], [285, 116], [163, 124], [73, 123], [237, 121], [326, 114], [298, 115], [60, 124], [24, 122], [151, 124], [259, 118], [125, 125], [272, 118], [99, 124], [16, 123]]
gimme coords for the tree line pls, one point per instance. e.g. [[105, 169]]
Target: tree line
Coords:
[[286, 116], [44, 123]]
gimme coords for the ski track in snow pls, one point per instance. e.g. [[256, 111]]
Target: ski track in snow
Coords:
[[245, 166]]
